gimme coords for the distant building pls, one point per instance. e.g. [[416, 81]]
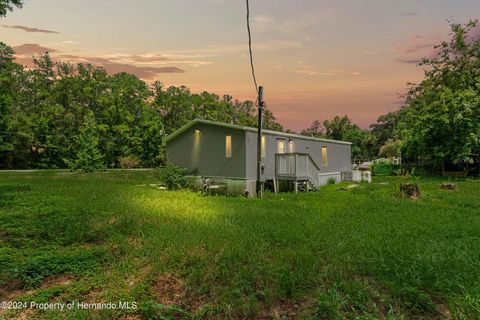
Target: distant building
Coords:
[[226, 155]]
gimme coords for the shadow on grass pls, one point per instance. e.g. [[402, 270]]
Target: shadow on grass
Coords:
[[325, 254]]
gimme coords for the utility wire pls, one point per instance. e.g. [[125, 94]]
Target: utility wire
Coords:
[[250, 47]]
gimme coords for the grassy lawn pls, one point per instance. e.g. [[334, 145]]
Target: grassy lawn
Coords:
[[360, 253]]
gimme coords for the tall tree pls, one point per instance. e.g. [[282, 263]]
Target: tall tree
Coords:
[[7, 70], [315, 130], [442, 113], [341, 128], [385, 127], [88, 157]]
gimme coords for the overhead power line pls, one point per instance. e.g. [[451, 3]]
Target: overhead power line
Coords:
[[250, 48]]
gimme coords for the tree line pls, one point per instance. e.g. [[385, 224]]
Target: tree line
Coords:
[[60, 114], [45, 112]]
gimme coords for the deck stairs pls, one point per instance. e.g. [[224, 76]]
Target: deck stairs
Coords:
[[298, 168]]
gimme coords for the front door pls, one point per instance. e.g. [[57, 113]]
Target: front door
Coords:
[[284, 161]]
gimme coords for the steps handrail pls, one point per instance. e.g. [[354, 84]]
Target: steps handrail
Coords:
[[313, 176]]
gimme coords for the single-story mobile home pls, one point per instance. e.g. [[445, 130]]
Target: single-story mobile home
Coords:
[[226, 154]]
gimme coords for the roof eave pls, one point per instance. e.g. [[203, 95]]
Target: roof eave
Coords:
[[239, 127]]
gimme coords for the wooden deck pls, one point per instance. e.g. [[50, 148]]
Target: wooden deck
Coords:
[[297, 167]]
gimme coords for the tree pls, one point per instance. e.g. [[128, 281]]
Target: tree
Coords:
[[391, 148], [88, 156], [338, 128], [7, 5], [341, 128], [315, 130], [7, 70], [270, 122], [442, 113], [385, 127]]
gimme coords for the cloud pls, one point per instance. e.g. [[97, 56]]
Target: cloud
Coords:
[[30, 49], [417, 44], [114, 64], [409, 61], [409, 14], [299, 27], [30, 29], [157, 59], [112, 67], [262, 22], [416, 47], [215, 51], [310, 72], [331, 72]]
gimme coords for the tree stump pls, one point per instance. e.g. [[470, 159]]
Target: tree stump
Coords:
[[410, 190], [448, 186]]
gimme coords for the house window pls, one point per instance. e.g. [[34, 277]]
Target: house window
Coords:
[[324, 156], [228, 146], [264, 147], [280, 146]]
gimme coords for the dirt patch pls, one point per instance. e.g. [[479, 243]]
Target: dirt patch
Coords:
[[444, 312], [140, 276], [58, 280], [93, 296], [448, 186], [24, 315], [131, 317], [285, 310], [13, 290], [169, 289], [10, 292]]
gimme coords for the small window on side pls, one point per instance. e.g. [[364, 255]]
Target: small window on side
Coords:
[[228, 146], [264, 147], [324, 156], [281, 146]]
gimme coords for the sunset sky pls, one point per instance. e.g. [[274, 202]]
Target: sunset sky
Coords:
[[315, 58]]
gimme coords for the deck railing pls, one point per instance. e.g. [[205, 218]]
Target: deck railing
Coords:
[[296, 166]]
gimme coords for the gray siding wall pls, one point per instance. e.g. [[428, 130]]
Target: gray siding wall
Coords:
[[204, 153], [339, 155]]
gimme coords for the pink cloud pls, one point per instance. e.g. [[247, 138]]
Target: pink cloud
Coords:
[[24, 53], [29, 49], [417, 47]]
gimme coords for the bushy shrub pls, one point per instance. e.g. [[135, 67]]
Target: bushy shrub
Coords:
[[172, 176], [383, 166], [128, 162]]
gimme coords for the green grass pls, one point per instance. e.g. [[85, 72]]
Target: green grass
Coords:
[[356, 254]]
